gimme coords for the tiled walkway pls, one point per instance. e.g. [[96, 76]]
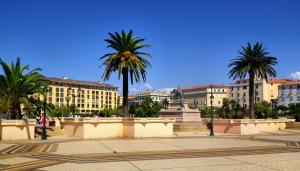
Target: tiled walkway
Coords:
[[185, 152]]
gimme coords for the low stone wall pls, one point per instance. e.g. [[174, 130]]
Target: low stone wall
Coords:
[[249, 126], [93, 128], [17, 129]]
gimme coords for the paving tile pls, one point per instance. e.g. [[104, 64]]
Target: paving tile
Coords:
[[110, 166], [267, 157], [235, 167], [16, 160], [3, 146], [139, 145], [283, 164], [184, 162], [81, 147]]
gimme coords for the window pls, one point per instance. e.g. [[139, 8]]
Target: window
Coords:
[[62, 89], [257, 99], [244, 87], [231, 88], [238, 88], [231, 94]]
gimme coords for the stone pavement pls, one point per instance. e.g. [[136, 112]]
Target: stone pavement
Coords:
[[185, 151]]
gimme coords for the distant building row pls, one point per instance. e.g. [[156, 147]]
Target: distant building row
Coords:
[[276, 91]]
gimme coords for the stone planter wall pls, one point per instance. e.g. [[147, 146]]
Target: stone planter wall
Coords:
[[94, 128], [17, 129], [249, 126]]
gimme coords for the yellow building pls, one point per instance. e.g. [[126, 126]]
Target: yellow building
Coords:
[[87, 96], [199, 96], [264, 90]]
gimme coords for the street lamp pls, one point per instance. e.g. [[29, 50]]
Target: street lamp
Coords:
[[44, 133], [211, 111]]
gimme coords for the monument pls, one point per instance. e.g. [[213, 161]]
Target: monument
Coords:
[[180, 111]]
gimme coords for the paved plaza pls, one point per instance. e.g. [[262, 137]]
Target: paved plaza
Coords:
[[184, 151]]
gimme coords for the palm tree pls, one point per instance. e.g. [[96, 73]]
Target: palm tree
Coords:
[[256, 62], [16, 87], [127, 60]]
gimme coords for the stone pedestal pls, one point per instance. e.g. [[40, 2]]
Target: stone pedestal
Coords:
[[181, 115]]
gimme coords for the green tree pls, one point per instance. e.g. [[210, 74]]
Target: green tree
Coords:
[[294, 110], [256, 62], [263, 109], [59, 111], [16, 86], [127, 60], [225, 109], [147, 108]]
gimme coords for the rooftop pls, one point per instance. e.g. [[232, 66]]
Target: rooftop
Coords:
[[78, 82], [203, 86], [279, 81]]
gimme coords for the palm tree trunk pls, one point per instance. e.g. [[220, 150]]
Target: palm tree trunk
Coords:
[[251, 95], [125, 92]]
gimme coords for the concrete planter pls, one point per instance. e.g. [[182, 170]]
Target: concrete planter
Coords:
[[249, 126], [17, 129], [93, 128]]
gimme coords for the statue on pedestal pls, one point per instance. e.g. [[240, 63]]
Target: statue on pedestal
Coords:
[[179, 96]]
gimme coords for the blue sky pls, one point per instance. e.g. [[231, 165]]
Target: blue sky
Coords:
[[192, 40]]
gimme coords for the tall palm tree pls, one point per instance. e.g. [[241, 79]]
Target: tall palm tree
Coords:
[[127, 60], [254, 61], [16, 87]]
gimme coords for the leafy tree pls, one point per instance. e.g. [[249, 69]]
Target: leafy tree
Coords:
[[263, 109], [60, 111], [254, 61], [147, 108], [281, 110], [111, 112], [127, 60], [225, 109], [231, 109], [294, 110], [206, 111], [16, 86]]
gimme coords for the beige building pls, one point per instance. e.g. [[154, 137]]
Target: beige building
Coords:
[[264, 90], [199, 96], [87, 96]]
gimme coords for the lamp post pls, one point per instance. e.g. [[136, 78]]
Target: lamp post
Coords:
[[211, 111], [44, 133]]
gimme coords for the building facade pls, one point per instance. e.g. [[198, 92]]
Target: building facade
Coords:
[[199, 96], [86, 96], [156, 96], [264, 90], [289, 93]]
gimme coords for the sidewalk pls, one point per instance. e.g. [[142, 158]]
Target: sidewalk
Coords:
[[185, 151]]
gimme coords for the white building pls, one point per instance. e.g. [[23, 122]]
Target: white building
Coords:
[[156, 96], [289, 93]]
